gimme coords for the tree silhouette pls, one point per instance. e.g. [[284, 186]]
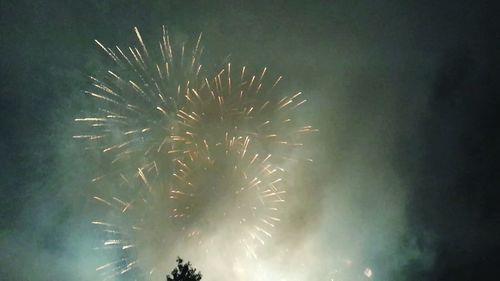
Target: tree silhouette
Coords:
[[184, 272]]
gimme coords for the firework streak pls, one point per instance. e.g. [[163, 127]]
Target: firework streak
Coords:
[[187, 152]]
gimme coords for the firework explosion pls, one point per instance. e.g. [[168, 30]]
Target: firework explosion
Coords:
[[188, 152]]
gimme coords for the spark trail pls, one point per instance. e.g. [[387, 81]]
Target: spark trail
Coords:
[[188, 152]]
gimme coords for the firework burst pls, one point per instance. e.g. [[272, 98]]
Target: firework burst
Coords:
[[139, 98], [189, 152]]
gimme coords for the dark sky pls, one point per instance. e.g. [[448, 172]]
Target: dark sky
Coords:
[[415, 83]]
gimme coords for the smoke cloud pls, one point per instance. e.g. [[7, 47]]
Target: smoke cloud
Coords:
[[368, 70]]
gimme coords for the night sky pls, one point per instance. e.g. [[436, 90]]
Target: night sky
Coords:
[[405, 95]]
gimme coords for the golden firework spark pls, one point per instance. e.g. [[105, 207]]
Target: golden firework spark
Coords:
[[188, 151]]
